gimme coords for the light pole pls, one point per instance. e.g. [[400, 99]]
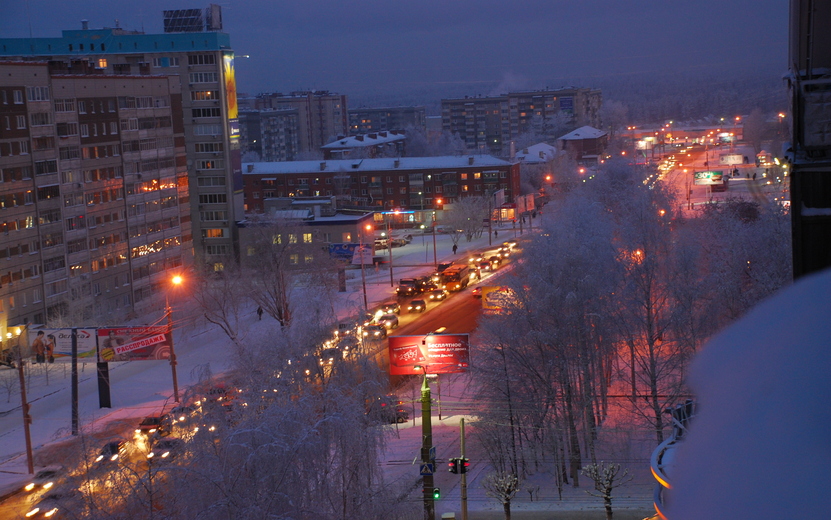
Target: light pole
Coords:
[[176, 281], [389, 247], [426, 448], [435, 261], [361, 246], [24, 405]]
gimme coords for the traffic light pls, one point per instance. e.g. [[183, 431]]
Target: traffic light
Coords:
[[463, 464], [453, 465], [436, 493]]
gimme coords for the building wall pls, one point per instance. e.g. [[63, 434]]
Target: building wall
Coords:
[[93, 194], [321, 115], [195, 61]]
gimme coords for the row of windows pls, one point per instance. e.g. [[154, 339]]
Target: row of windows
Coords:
[[202, 59], [91, 103], [16, 97], [166, 62], [156, 267], [20, 122], [204, 95], [27, 222], [8, 251], [10, 149], [154, 227], [206, 112], [17, 173], [145, 123], [20, 198], [203, 77], [143, 102], [149, 165], [152, 143], [204, 182], [142, 208], [155, 247], [209, 147], [135, 188], [208, 216]]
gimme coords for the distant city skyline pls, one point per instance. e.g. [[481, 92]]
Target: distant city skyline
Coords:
[[453, 47]]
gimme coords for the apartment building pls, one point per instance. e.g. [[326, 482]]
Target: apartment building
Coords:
[[271, 134], [94, 199], [321, 115], [488, 124], [406, 183], [385, 119], [201, 62]]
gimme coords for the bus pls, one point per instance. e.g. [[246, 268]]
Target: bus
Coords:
[[455, 277]]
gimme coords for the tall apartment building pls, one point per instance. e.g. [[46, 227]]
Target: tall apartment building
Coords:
[[93, 191], [271, 134], [321, 115], [202, 66], [385, 119], [490, 123]]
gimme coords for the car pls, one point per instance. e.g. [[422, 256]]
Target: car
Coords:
[[153, 425], [181, 414], [417, 306], [495, 262], [375, 332], [511, 243], [437, 295], [390, 308], [484, 265], [44, 479], [387, 409], [443, 265], [476, 292], [476, 259], [111, 452], [166, 449], [389, 321], [398, 242], [52, 503]]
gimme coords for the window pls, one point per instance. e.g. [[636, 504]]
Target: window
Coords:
[[209, 129], [477, 175], [84, 130], [65, 105], [203, 77], [463, 176], [40, 118], [209, 147], [213, 233], [294, 259], [292, 238], [67, 129], [213, 198], [210, 181], [400, 178], [24, 147], [389, 191], [206, 112], [204, 95], [129, 124], [308, 258], [18, 97], [82, 107], [402, 191], [113, 128], [307, 238], [210, 164], [45, 167], [102, 63], [21, 122], [37, 93], [202, 59]]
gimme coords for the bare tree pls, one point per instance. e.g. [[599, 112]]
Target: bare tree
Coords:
[[465, 217], [503, 487], [223, 300], [606, 478]]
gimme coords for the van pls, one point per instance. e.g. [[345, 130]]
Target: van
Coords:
[[382, 243]]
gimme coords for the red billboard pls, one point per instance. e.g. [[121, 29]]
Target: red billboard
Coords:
[[133, 344], [437, 353]]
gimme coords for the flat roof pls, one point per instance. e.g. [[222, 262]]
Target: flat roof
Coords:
[[449, 162]]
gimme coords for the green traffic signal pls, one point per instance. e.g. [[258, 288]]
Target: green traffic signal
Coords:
[[436, 493]]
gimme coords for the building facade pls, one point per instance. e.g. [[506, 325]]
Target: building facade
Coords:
[[271, 134], [385, 119], [94, 191], [321, 115], [489, 124], [202, 63], [406, 183]]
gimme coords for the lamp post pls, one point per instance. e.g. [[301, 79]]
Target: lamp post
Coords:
[[24, 405], [426, 447], [435, 261], [176, 281], [389, 247], [363, 251]]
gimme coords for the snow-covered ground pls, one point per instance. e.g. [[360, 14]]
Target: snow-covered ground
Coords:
[[143, 387]]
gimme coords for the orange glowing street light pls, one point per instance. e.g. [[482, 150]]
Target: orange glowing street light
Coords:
[[176, 281]]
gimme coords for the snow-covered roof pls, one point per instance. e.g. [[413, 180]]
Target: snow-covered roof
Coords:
[[584, 132], [538, 153], [368, 165], [362, 141]]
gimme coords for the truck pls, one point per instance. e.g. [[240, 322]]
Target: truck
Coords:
[[455, 277], [413, 286]]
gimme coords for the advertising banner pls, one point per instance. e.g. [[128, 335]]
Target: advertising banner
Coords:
[[55, 345], [437, 353], [133, 344], [709, 178]]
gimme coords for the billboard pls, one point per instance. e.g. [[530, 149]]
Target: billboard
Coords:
[[437, 353], [709, 178], [731, 158], [55, 345], [133, 344]]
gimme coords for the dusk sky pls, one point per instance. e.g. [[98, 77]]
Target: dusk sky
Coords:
[[459, 46]]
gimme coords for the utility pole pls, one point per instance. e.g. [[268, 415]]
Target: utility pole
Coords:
[[464, 472], [389, 247], [435, 262], [24, 405], [426, 449]]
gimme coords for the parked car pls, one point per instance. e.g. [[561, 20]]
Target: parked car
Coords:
[[476, 292], [398, 242], [437, 295], [390, 308], [389, 321], [417, 306]]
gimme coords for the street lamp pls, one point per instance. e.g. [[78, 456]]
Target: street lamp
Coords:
[[175, 281], [426, 447], [361, 247], [24, 405]]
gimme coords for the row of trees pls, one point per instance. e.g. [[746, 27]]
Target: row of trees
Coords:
[[610, 303]]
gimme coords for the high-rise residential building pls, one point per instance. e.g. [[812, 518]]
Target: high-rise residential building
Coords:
[[271, 134], [93, 191], [490, 123], [385, 119], [201, 62], [321, 115]]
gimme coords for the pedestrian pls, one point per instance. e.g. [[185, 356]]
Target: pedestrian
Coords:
[[754, 176], [495, 233], [455, 248], [259, 313], [39, 347]]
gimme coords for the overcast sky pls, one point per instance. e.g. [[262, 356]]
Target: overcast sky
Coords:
[[368, 45]]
